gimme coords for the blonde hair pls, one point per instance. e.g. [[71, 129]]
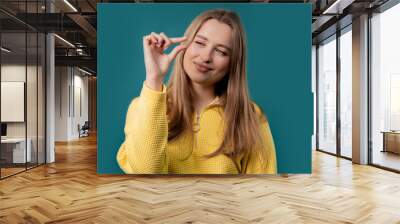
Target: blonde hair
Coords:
[[242, 129]]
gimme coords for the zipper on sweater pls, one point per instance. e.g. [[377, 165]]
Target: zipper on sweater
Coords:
[[196, 129]]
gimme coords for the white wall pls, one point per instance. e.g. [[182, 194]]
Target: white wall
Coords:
[[80, 102], [61, 103], [16, 73], [71, 93], [12, 73]]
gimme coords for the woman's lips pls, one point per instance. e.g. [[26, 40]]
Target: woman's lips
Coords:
[[201, 68]]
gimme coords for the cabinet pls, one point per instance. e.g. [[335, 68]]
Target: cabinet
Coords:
[[391, 141]]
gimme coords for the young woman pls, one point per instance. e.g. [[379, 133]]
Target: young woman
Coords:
[[203, 121]]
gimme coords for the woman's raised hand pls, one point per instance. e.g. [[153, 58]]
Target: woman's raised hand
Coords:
[[156, 61]]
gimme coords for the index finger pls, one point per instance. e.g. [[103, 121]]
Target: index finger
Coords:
[[177, 39]]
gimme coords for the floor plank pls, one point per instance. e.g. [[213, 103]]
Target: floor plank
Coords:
[[70, 191]]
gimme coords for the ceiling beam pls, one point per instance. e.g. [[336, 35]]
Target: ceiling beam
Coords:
[[83, 61]]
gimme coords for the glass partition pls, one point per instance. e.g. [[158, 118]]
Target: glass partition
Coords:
[[41, 107], [13, 104], [327, 95], [31, 100], [22, 88]]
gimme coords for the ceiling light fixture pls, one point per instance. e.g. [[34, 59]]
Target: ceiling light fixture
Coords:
[[337, 7], [64, 40], [79, 51], [84, 71], [329, 9], [70, 5], [5, 50]]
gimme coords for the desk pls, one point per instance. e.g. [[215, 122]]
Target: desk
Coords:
[[391, 141], [17, 150]]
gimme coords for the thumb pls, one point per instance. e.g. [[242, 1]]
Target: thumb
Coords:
[[175, 51]]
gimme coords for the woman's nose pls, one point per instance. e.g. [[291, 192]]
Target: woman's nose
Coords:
[[206, 55]]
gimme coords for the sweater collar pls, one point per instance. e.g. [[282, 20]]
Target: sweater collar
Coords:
[[214, 103], [217, 101]]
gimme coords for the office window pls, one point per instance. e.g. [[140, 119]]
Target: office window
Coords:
[[346, 93], [385, 88], [327, 95]]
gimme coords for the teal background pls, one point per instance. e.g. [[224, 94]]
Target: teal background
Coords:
[[279, 70]]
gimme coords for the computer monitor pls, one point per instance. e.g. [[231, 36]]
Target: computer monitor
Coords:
[[3, 129]]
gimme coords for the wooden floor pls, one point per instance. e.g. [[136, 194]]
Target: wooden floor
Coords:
[[70, 191], [387, 159], [5, 172], [8, 171]]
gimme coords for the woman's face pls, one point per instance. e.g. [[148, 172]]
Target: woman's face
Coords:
[[206, 60]]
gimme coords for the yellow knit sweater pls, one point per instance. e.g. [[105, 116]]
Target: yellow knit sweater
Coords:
[[146, 148]]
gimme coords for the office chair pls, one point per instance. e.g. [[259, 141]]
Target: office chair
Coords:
[[84, 130]]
